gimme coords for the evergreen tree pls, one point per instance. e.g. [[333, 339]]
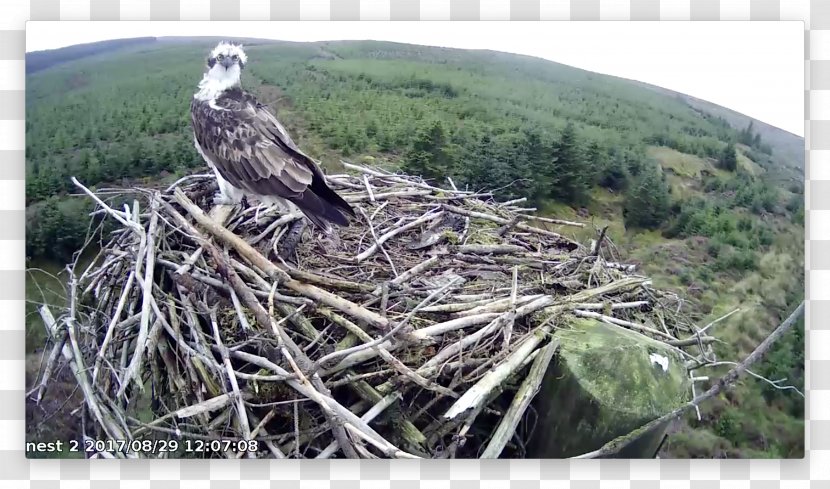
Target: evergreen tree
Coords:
[[746, 135], [535, 166], [647, 200], [595, 163], [570, 184], [486, 170], [615, 174], [428, 157], [729, 158]]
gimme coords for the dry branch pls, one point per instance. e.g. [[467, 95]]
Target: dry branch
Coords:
[[387, 338]]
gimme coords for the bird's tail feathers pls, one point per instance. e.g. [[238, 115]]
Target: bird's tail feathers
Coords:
[[321, 212], [321, 224], [319, 187], [319, 203]]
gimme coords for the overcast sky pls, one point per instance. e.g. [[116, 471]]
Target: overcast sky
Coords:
[[756, 68]]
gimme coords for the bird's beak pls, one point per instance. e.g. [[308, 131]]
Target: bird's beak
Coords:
[[227, 62]]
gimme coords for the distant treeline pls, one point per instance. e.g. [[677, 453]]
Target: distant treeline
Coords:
[[40, 60], [527, 127]]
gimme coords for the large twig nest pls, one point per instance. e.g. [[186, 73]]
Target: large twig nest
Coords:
[[406, 334]]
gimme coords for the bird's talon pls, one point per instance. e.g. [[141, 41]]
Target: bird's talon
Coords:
[[221, 200]]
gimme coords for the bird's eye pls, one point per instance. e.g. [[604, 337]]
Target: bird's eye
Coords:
[[234, 57], [220, 57]]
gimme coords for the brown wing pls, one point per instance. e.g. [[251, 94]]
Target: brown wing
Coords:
[[253, 152]]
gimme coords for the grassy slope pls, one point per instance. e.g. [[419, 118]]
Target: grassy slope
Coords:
[[366, 99], [789, 147]]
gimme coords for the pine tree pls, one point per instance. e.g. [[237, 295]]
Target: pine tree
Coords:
[[729, 158], [428, 157], [534, 166], [647, 200], [595, 162], [615, 174], [480, 171], [746, 135], [570, 184]]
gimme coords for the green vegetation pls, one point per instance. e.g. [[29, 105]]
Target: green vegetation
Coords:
[[647, 199], [712, 211], [729, 158], [749, 137]]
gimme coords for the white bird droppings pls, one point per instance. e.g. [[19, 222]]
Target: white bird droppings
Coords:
[[660, 360]]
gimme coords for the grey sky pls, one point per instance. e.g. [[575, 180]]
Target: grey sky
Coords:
[[756, 68]]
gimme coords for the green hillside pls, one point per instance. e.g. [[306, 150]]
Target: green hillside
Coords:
[[703, 199]]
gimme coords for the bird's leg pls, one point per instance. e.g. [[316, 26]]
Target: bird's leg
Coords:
[[227, 195], [221, 199], [274, 204]]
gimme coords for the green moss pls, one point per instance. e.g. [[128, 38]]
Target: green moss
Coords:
[[484, 237], [603, 385], [597, 349], [451, 236], [270, 391]]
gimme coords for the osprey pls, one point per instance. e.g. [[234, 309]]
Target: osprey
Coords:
[[249, 150]]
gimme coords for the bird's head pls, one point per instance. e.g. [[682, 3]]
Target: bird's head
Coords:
[[225, 63]]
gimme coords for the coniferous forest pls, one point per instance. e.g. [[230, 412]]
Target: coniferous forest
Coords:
[[709, 205]]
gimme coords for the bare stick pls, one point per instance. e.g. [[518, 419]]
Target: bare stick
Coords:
[[552, 221], [613, 306], [133, 370], [186, 178], [129, 224], [501, 220], [479, 392], [241, 412], [514, 201], [622, 322], [391, 234], [375, 237], [102, 350], [71, 354], [338, 429], [282, 221], [598, 246], [412, 272], [455, 324], [212, 404], [482, 249], [703, 330], [185, 267], [54, 354], [370, 415], [527, 391], [394, 178], [369, 188], [777, 384], [508, 327], [398, 327], [246, 250]]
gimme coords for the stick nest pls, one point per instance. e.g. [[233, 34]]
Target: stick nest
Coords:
[[422, 330]]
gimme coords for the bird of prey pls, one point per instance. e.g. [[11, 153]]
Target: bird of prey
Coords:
[[249, 150]]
